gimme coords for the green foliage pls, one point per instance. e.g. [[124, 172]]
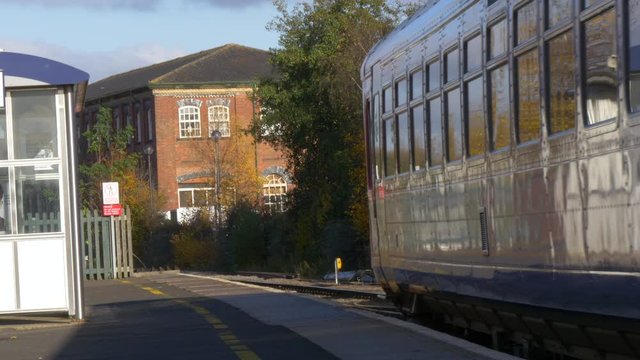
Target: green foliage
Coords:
[[246, 235], [107, 160], [195, 246], [313, 112]]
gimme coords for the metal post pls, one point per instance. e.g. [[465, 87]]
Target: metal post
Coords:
[[148, 150], [216, 135], [113, 248]]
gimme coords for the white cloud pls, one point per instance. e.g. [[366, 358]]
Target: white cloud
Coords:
[[99, 64]]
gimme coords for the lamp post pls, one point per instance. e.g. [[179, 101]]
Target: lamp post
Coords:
[[216, 135], [148, 150]]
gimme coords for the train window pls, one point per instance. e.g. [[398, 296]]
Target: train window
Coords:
[[386, 100], [416, 84], [475, 117], [454, 126], [601, 67], [558, 10], [473, 53], [418, 145], [434, 76], [401, 92], [528, 103], [498, 39], [561, 77], [500, 122], [452, 65], [634, 55], [435, 132], [389, 148], [402, 127], [526, 22]]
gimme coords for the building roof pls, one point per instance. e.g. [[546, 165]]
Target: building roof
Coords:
[[227, 64]]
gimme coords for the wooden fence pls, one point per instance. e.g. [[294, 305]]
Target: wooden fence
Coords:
[[107, 239], [41, 222]]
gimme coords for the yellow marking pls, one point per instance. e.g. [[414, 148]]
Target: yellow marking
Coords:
[[242, 351], [247, 355], [152, 290], [239, 348], [200, 310], [213, 320]]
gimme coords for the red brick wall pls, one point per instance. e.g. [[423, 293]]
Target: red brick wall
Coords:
[[174, 157], [178, 157]]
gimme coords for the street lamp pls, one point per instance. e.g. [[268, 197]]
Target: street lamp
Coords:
[[148, 150], [216, 135]]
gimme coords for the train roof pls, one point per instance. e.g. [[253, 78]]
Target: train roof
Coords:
[[434, 12]]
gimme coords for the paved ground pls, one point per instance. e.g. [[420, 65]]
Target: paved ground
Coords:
[[173, 316]]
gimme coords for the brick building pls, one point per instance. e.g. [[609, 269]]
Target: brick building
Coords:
[[175, 106]]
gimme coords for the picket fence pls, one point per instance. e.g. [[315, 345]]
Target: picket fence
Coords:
[[106, 239]]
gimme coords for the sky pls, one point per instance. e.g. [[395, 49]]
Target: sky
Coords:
[[107, 37]]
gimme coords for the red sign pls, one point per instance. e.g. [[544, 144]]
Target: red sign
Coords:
[[112, 210]]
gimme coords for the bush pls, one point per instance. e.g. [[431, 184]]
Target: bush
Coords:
[[245, 231], [195, 246]]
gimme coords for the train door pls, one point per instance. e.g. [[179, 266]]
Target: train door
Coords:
[[374, 181]]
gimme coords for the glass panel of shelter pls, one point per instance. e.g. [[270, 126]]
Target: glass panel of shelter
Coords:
[[32, 118]]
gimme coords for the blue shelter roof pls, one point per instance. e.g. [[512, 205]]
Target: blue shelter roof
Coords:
[[39, 70]]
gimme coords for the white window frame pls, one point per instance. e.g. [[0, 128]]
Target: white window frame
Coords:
[[189, 121], [274, 185], [192, 190], [219, 119]]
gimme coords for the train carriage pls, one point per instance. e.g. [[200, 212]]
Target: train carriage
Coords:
[[503, 153]]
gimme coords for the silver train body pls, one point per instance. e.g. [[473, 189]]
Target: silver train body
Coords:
[[538, 233]]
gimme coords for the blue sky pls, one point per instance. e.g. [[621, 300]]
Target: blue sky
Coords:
[[106, 37]]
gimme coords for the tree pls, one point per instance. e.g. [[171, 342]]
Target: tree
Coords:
[[107, 159], [313, 112]]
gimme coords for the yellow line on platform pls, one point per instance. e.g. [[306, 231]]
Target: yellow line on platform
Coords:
[[229, 338]]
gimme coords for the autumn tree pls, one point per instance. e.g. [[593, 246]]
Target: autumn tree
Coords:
[[106, 160], [313, 112]]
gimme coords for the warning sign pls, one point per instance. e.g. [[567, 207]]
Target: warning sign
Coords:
[[112, 210], [110, 193]]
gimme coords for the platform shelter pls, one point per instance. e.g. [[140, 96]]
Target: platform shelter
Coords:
[[40, 256]]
